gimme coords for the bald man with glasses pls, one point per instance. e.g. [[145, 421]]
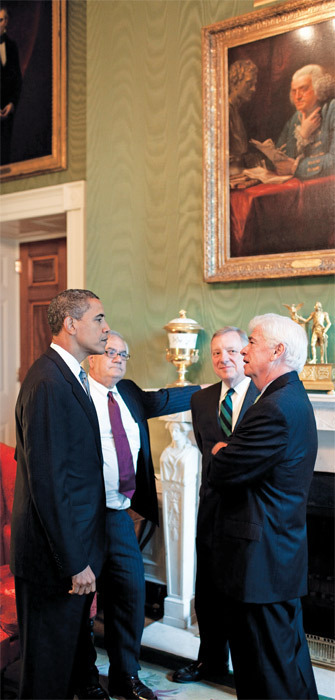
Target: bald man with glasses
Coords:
[[123, 411]]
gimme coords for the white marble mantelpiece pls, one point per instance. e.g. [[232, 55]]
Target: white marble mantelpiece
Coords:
[[178, 498], [324, 410]]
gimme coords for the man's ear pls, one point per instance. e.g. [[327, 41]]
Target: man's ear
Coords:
[[70, 325], [278, 351]]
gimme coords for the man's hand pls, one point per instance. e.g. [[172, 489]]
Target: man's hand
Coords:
[[310, 124], [218, 447], [83, 583], [5, 111], [288, 166]]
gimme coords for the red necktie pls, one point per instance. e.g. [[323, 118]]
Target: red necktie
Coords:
[[127, 478]]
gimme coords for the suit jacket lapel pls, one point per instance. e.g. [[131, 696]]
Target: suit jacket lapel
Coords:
[[80, 394], [213, 405], [280, 382], [248, 401], [126, 393]]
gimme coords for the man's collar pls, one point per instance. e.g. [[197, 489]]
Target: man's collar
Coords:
[[69, 359], [280, 381], [241, 387], [101, 387]]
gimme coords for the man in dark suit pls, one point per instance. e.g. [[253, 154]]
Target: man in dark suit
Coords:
[[122, 579], [10, 81], [226, 345], [263, 473], [58, 519]]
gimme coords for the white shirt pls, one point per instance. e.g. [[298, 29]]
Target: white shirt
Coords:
[[237, 398], [70, 360], [99, 394]]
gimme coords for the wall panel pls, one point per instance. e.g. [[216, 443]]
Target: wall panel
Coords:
[[144, 107]]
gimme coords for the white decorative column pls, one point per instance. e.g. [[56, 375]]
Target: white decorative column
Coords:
[[179, 467]]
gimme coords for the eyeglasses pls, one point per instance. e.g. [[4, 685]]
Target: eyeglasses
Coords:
[[111, 353]]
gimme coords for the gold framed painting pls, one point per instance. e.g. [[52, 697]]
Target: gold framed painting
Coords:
[[269, 143], [33, 88]]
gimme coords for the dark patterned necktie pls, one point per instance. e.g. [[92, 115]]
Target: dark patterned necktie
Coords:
[[226, 413], [127, 477], [84, 380]]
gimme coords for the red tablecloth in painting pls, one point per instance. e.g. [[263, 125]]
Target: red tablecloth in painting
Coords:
[[290, 217]]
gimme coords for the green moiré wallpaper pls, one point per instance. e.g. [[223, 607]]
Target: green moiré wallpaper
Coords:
[[135, 134], [144, 175]]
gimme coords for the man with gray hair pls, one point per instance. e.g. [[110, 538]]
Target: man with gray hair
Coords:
[[216, 411], [308, 138], [123, 411], [263, 473]]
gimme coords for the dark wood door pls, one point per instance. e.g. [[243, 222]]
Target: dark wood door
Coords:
[[43, 275]]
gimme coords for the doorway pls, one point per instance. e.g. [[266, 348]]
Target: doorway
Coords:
[[25, 217], [42, 276]]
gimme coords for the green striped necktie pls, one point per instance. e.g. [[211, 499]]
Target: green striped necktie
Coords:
[[226, 413]]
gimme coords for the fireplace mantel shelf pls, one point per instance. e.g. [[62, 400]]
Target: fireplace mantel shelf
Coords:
[[324, 410]]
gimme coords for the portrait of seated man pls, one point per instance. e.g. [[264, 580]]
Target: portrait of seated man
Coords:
[[269, 216], [308, 137]]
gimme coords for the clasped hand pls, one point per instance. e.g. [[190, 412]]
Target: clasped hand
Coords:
[[218, 447], [83, 583], [6, 111]]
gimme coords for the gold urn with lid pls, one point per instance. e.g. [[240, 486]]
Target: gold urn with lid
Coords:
[[182, 334]]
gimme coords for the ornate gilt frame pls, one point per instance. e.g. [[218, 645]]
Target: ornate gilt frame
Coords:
[[57, 159], [216, 40]]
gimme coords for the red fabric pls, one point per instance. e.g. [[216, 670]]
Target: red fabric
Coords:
[[287, 218], [8, 473], [8, 621], [9, 643]]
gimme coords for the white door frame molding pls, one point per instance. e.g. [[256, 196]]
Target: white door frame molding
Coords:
[[70, 199]]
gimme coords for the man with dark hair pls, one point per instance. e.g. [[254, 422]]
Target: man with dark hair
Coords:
[[72, 302], [215, 412], [58, 519]]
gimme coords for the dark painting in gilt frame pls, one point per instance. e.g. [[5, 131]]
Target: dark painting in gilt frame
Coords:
[[33, 80], [263, 219]]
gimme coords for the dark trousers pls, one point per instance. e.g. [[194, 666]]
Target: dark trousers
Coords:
[[52, 624], [213, 650], [269, 651], [123, 587]]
